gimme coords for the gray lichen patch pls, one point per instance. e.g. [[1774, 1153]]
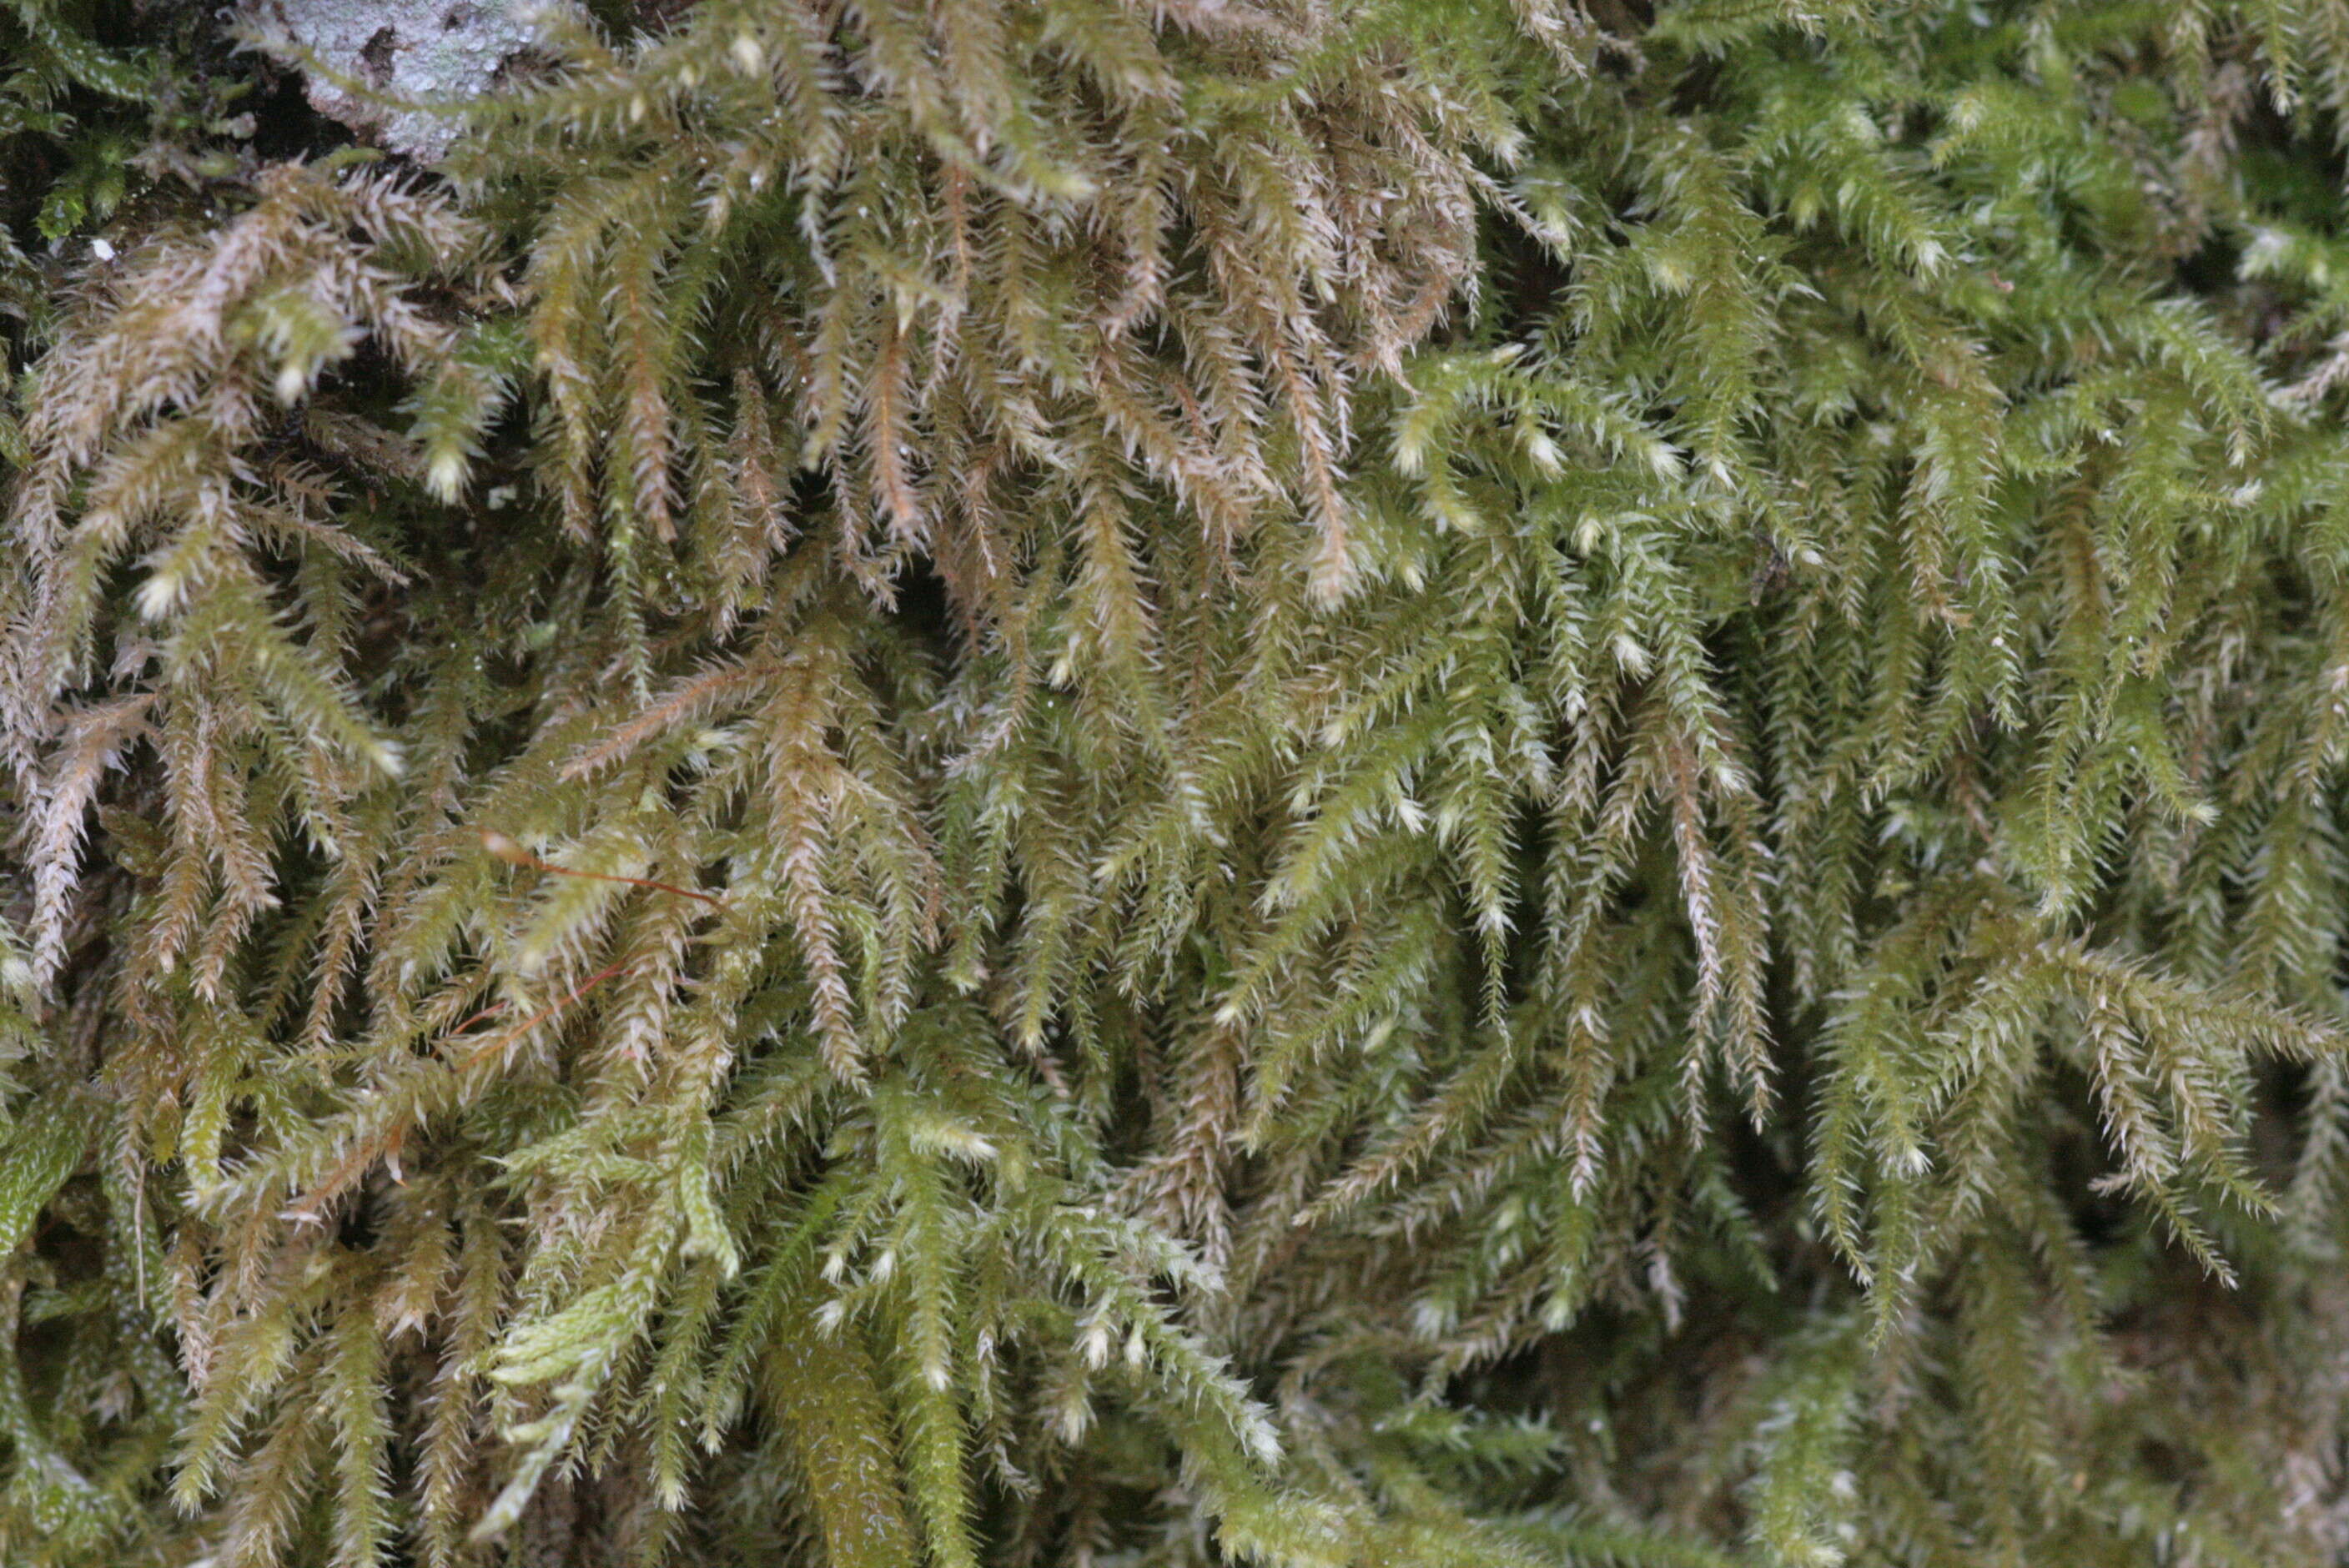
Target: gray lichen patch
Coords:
[[369, 58]]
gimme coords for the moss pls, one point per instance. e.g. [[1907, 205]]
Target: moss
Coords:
[[1408, 782]]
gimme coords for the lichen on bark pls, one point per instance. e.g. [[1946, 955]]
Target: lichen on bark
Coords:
[[393, 69]]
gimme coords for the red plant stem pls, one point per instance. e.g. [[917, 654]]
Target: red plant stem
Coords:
[[710, 899], [535, 1019], [514, 854]]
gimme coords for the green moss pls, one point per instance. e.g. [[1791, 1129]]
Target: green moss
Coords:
[[1023, 783]]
